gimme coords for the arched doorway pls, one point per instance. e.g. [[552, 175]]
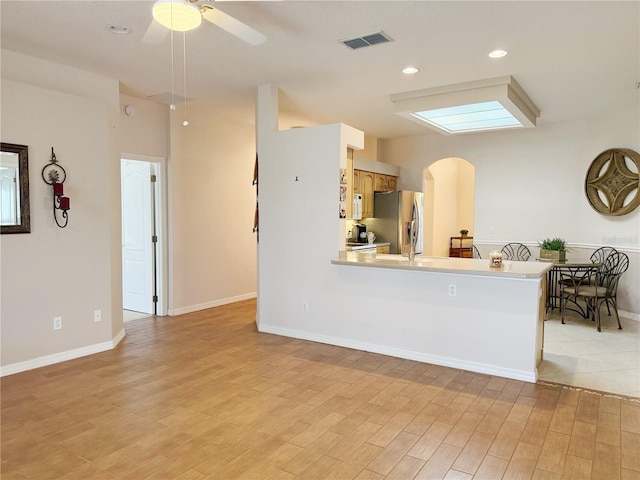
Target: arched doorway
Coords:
[[449, 197]]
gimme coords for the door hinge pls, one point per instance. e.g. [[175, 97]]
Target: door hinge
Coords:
[[153, 178], [154, 239], [155, 299]]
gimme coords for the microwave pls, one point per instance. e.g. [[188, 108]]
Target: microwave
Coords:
[[357, 206]]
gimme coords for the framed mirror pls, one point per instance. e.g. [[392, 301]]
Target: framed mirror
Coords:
[[14, 189]]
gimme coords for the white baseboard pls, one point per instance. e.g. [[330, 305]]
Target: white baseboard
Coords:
[[61, 357], [406, 354], [215, 303], [629, 315]]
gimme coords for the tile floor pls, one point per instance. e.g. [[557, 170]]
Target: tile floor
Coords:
[[577, 354]]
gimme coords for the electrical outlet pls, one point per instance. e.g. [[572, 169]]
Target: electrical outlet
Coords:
[[305, 306], [452, 290], [57, 323], [97, 315]]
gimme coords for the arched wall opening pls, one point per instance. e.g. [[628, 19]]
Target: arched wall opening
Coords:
[[449, 197]]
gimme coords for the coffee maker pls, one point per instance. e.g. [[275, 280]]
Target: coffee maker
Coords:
[[359, 233]]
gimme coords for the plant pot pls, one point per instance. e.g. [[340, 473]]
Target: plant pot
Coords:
[[555, 255]]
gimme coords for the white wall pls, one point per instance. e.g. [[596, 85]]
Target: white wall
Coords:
[[52, 271], [449, 198], [299, 226], [210, 199], [145, 132], [530, 185], [73, 271], [466, 196], [212, 203], [212, 249], [445, 205]]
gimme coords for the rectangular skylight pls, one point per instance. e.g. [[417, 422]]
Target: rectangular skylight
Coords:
[[489, 104], [469, 118]]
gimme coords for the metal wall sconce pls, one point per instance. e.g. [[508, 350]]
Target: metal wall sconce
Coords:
[[53, 177]]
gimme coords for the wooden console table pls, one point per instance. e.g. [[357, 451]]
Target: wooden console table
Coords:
[[460, 247]]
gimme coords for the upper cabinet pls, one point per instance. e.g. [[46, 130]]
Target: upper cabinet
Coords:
[[368, 177], [367, 183], [385, 183], [366, 189]]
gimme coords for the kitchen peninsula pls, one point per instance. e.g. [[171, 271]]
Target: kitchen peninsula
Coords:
[[467, 318], [456, 312]]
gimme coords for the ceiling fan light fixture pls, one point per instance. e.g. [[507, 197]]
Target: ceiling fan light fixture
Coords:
[[177, 15]]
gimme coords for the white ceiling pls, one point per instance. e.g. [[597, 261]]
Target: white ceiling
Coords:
[[574, 59]]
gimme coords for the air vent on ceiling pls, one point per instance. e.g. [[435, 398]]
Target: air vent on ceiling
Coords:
[[367, 40]]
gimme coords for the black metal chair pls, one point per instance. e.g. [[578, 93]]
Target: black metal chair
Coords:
[[516, 251], [605, 287], [474, 252], [570, 282], [601, 254]]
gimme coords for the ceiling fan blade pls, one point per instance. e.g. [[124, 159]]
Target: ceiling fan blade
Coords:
[[233, 26], [155, 33]]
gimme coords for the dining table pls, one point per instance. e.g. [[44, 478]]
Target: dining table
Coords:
[[553, 284]]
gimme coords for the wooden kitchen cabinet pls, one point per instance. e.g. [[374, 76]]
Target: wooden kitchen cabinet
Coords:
[[392, 183], [366, 190], [385, 183], [366, 183]]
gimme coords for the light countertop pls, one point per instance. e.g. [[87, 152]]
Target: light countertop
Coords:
[[465, 266]]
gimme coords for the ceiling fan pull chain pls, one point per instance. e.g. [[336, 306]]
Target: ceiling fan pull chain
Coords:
[[173, 103], [184, 72]]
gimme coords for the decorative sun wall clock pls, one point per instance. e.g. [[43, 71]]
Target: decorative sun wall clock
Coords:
[[611, 185]]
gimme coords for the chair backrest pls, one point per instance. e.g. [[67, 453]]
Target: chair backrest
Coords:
[[516, 251], [601, 254], [474, 252], [610, 272]]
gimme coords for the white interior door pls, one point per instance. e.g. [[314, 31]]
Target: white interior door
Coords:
[[138, 287]]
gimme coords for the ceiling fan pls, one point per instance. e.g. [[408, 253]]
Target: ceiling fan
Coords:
[[184, 15]]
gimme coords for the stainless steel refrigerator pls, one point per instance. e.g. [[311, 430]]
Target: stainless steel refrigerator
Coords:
[[392, 216]]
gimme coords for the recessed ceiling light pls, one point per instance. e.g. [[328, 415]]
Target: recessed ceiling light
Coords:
[[498, 53], [410, 70], [118, 29]]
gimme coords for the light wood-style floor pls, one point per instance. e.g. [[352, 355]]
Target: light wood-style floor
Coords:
[[204, 395]]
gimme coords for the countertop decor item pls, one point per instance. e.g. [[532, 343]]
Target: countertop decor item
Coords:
[[611, 186], [53, 174], [495, 259], [553, 249]]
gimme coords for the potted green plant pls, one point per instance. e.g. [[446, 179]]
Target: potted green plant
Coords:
[[553, 249], [464, 233]]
